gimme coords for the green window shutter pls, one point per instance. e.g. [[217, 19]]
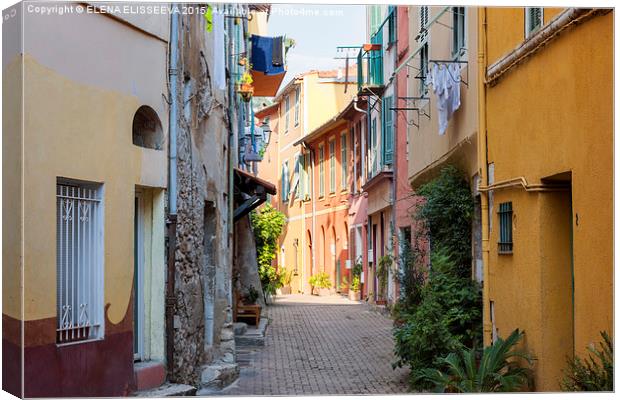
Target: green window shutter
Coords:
[[388, 131]]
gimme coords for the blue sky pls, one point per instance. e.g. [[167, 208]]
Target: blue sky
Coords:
[[317, 30]]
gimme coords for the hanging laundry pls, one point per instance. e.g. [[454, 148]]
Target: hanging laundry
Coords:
[[262, 56], [277, 51], [446, 81], [219, 54]]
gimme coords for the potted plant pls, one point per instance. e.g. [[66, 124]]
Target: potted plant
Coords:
[[382, 275], [251, 296], [356, 282], [244, 86], [344, 285], [285, 277], [354, 290], [320, 284]]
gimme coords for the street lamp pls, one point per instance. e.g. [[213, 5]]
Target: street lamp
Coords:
[[266, 131]]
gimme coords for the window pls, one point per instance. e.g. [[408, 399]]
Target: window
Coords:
[[321, 171], [458, 30], [285, 183], [294, 187], [287, 108], [388, 131], [374, 158], [353, 159], [343, 161], [505, 228], [533, 20], [301, 192], [375, 18], [423, 68], [146, 129], [332, 166], [423, 22], [391, 24], [308, 167], [297, 106], [79, 261]]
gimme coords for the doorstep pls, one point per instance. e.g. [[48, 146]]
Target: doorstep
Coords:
[[149, 374], [168, 390], [253, 335]]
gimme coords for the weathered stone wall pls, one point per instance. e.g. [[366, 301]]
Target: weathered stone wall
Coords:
[[203, 262], [246, 265]]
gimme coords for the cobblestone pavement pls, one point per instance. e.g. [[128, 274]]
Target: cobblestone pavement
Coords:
[[320, 345]]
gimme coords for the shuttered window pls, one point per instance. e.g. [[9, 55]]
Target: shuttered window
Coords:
[[424, 14], [287, 109], [79, 262], [285, 182], [505, 228], [297, 106], [344, 165], [458, 30], [388, 131], [321, 171], [533, 20], [308, 169], [332, 166]]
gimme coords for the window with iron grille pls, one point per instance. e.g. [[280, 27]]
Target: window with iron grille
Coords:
[[505, 228], [533, 20], [458, 30], [343, 161], [79, 261], [332, 166]]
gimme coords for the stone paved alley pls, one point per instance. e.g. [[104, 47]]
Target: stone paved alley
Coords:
[[320, 345]]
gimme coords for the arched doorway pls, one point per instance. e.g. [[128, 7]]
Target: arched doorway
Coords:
[[308, 268]]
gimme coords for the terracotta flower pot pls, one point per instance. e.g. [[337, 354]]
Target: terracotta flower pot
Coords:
[[355, 296]]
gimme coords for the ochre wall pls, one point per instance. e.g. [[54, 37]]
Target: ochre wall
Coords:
[[553, 114]]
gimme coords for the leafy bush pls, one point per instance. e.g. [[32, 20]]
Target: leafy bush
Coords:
[[447, 214], [412, 276], [593, 374], [447, 318], [355, 284], [320, 281], [498, 370], [267, 224]]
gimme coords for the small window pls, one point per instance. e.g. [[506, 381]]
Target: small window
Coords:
[[285, 182], [79, 261], [458, 31], [533, 20], [308, 169], [343, 161], [297, 106], [321, 171], [423, 68], [287, 108], [505, 228], [146, 129], [391, 24], [332, 166]]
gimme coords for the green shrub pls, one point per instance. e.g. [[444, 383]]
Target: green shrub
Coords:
[[320, 281], [447, 318], [447, 214], [596, 373], [267, 224], [355, 284], [497, 370]]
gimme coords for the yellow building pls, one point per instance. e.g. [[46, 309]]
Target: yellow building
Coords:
[[84, 178], [548, 114], [303, 105]]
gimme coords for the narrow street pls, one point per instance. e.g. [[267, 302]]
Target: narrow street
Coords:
[[320, 345]]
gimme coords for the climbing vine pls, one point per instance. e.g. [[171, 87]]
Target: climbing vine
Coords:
[[268, 224]]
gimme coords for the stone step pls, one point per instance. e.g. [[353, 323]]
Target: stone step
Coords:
[[217, 376], [240, 328], [254, 336], [168, 390]]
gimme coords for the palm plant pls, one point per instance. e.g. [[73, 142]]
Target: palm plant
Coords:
[[498, 370], [594, 373]]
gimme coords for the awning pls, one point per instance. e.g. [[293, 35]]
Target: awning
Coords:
[[250, 192]]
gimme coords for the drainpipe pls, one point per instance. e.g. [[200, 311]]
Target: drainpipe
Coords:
[[394, 157], [487, 333], [231, 172], [172, 192]]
